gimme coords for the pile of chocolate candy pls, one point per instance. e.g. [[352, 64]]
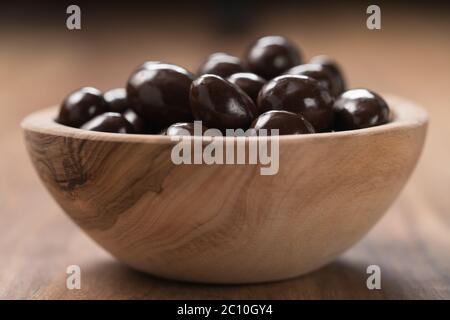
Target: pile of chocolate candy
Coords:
[[270, 88]]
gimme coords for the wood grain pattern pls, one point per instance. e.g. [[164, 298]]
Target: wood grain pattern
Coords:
[[409, 57], [227, 223]]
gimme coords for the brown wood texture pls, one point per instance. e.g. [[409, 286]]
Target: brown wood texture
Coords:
[[409, 57]]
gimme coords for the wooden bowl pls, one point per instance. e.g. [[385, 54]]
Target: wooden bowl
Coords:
[[227, 223]]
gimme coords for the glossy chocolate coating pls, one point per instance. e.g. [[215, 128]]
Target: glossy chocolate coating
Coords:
[[183, 129], [319, 73], [271, 56], [249, 82], [81, 106], [116, 100], [333, 67], [221, 104], [159, 93], [147, 64], [109, 122], [136, 121], [221, 64], [286, 122], [299, 94], [360, 108]]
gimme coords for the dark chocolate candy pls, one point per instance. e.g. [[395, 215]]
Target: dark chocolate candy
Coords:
[[183, 129], [270, 56], [221, 104], [249, 82], [136, 121], [359, 108], [81, 106], [299, 94], [286, 122], [221, 64], [109, 122], [333, 67], [319, 73], [116, 100], [159, 93]]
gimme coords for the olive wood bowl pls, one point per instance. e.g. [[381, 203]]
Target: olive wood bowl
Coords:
[[227, 223]]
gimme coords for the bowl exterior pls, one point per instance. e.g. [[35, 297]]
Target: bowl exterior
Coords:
[[227, 223]]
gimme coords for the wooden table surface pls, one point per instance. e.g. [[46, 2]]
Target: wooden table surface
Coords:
[[410, 57]]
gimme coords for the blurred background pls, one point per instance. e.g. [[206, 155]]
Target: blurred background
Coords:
[[41, 61]]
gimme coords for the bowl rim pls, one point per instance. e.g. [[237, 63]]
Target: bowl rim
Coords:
[[404, 114]]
